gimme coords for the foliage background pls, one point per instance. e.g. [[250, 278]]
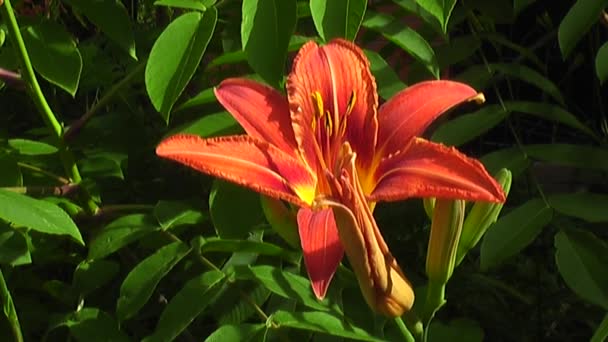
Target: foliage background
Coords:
[[101, 240]]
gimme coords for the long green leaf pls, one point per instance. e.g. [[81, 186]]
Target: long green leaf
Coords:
[[233, 332], [514, 231], [601, 333], [175, 56], [440, 9], [587, 206], [8, 307], [601, 63], [120, 233], [143, 278], [41, 216], [91, 324], [570, 155], [469, 126], [186, 305], [530, 76], [579, 19]]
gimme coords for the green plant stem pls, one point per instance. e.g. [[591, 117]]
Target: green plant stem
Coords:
[[105, 99], [9, 306], [414, 325], [51, 175], [407, 335], [33, 87], [435, 299]]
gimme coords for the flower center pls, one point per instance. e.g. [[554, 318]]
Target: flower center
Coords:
[[329, 127]]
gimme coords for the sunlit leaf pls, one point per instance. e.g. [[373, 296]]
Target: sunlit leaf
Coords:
[[582, 260], [91, 275], [175, 213], [186, 305], [175, 56], [31, 147], [266, 28], [386, 78], [120, 233], [511, 158], [211, 125], [41, 216], [236, 332], [404, 37], [263, 248], [196, 5], [13, 247], [337, 18], [514, 231], [322, 322], [54, 54], [440, 9]]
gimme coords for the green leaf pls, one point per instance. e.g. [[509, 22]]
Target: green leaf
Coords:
[[511, 158], [530, 76], [404, 37], [175, 56], [186, 305], [111, 17], [457, 50], [175, 213], [8, 307], [587, 206], [235, 332], [579, 19], [469, 126], [225, 200], [514, 231], [467, 331], [143, 278], [100, 167], [263, 248], [549, 112], [387, 80], [601, 63], [212, 125], [14, 249], [91, 325], [337, 18], [204, 97], [570, 155], [31, 148], [440, 9], [54, 54], [322, 322], [41, 216], [232, 57], [232, 309], [266, 28], [285, 284], [582, 260], [120, 233], [601, 333], [91, 275], [196, 5]]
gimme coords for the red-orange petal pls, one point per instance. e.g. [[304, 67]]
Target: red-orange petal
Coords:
[[427, 169], [336, 71], [246, 161], [412, 110], [261, 110], [321, 247]]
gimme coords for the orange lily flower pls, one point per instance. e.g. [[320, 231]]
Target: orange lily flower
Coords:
[[327, 148]]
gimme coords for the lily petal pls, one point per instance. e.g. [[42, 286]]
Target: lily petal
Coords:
[[261, 110], [339, 72], [412, 110], [321, 246], [427, 169], [246, 161]]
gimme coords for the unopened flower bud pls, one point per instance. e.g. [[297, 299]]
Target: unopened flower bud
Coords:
[[443, 242], [481, 216]]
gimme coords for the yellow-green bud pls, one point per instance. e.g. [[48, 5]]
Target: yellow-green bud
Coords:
[[282, 219], [481, 216], [443, 242], [429, 206]]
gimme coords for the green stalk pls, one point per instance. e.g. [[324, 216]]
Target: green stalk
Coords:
[[435, 299], [8, 306], [407, 335], [35, 92]]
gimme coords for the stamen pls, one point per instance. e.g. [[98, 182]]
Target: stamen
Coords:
[[351, 103]]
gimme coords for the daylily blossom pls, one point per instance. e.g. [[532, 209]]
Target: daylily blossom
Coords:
[[327, 148]]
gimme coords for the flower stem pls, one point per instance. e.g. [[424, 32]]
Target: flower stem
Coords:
[[35, 92], [9, 308], [407, 335], [435, 299]]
